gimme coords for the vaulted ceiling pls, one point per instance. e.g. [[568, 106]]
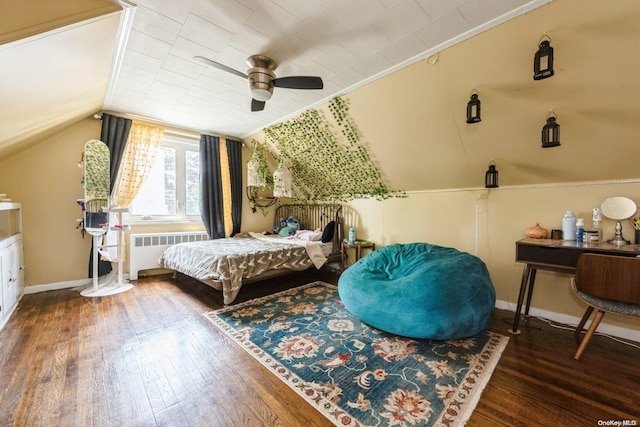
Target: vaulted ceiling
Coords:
[[63, 60]]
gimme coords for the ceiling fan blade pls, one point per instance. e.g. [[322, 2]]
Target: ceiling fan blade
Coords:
[[219, 66], [257, 105], [299, 82]]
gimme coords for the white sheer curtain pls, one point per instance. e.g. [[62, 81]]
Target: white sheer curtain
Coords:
[[137, 161]]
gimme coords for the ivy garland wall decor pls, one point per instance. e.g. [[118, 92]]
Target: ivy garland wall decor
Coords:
[[326, 158]]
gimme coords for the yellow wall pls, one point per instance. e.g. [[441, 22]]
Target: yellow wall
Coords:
[[487, 223], [46, 179], [20, 19], [413, 121]]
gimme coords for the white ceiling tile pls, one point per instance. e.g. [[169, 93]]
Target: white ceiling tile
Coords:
[[250, 41], [169, 89], [205, 33], [189, 68], [214, 83], [353, 14], [407, 47], [189, 101], [129, 97], [476, 14], [155, 25], [336, 58], [373, 64], [229, 15], [173, 79], [437, 8], [231, 55], [323, 31], [365, 41], [304, 10], [292, 57], [400, 20], [274, 22], [161, 99], [141, 61], [137, 75], [187, 49], [176, 10], [347, 77], [443, 28], [144, 43]]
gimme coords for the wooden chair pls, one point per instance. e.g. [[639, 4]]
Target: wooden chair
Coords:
[[609, 284]]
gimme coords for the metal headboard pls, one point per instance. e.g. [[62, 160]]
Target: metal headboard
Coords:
[[313, 217]]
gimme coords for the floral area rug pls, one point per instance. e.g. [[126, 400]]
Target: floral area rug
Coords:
[[355, 374]]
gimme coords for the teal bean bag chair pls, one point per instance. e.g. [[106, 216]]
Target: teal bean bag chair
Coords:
[[420, 290]]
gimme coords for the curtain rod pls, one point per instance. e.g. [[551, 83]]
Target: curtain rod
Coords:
[[171, 128]]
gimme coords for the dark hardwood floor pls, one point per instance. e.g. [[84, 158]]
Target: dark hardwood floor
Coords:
[[148, 357]]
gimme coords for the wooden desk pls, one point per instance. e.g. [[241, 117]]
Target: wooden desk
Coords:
[[358, 246], [556, 255]]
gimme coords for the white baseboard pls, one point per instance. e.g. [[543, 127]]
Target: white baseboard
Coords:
[[603, 328], [33, 289]]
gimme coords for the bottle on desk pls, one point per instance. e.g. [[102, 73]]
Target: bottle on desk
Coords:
[[579, 230], [569, 226], [352, 236], [596, 224]]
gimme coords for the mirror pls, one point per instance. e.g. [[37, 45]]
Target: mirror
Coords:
[[96, 187], [618, 208]]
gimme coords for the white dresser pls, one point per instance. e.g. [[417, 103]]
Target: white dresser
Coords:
[[11, 259]]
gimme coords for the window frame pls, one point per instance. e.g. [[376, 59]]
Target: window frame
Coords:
[[180, 143]]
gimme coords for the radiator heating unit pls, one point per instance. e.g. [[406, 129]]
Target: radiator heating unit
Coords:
[[145, 249]]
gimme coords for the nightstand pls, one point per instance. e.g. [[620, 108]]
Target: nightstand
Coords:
[[358, 246]]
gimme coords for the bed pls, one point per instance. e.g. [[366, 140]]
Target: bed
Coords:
[[227, 264]]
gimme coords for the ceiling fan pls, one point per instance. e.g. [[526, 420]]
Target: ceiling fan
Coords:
[[262, 79]]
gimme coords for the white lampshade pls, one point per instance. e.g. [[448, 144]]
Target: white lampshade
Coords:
[[260, 94], [282, 181], [253, 178]]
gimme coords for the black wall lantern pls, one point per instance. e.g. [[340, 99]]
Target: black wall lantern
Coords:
[[491, 177], [551, 132], [473, 108], [543, 60]]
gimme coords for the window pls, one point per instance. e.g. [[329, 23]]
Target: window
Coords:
[[172, 190]]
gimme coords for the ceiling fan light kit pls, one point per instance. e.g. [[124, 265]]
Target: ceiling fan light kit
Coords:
[[262, 79]]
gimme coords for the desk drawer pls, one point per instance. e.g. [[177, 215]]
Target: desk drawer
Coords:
[[546, 255]]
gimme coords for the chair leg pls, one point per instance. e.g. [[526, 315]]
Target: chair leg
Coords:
[[592, 328], [584, 319]]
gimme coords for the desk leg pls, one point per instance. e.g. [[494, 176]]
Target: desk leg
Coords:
[[342, 258], [523, 289], [532, 280]]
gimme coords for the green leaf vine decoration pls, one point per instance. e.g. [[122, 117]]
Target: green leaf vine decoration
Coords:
[[327, 160]]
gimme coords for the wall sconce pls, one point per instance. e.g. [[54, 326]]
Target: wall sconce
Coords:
[[258, 200], [257, 182], [551, 132], [473, 108], [543, 60], [491, 177]]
